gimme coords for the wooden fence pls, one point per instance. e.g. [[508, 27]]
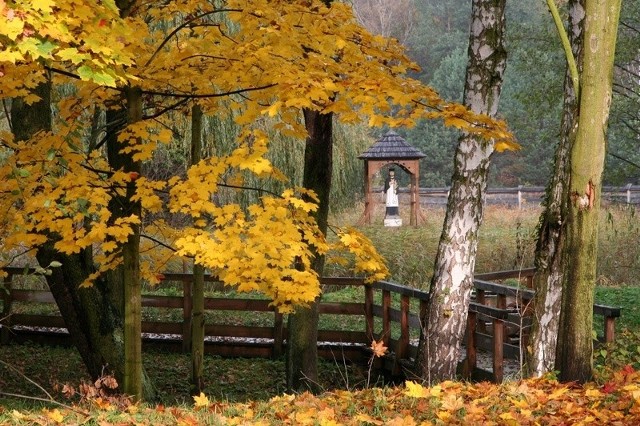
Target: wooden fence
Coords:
[[532, 196], [498, 321]]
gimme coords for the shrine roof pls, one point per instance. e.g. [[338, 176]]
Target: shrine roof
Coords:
[[391, 147]]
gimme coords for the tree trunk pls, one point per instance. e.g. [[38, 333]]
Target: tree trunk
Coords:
[[127, 276], [575, 344], [450, 290], [90, 315], [131, 269], [197, 292], [551, 235], [302, 343]]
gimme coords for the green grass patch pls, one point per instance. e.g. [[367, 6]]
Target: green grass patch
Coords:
[[226, 379], [627, 298]]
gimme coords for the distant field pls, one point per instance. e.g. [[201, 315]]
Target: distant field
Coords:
[[507, 241]]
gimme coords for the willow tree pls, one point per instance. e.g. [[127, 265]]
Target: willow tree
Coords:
[[575, 341], [450, 291]]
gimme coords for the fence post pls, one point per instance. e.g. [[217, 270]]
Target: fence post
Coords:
[[5, 317], [386, 316], [186, 314], [519, 197], [629, 194], [368, 311], [278, 334], [609, 329], [472, 360], [498, 351], [403, 342]]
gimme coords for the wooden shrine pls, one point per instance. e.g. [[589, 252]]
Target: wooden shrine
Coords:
[[392, 149]]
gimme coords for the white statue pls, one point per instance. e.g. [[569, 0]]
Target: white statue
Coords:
[[392, 215]]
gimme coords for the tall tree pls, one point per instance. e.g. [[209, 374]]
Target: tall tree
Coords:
[[450, 290], [575, 342], [541, 354], [302, 343], [197, 287]]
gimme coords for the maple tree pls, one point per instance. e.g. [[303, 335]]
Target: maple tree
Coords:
[[143, 65]]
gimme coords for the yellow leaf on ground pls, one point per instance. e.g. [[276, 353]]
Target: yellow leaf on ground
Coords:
[[365, 418], [201, 400], [55, 415], [415, 390]]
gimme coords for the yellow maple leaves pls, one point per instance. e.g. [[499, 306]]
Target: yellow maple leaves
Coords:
[[70, 33], [259, 58]]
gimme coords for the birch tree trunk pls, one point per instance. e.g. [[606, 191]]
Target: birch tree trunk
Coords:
[[452, 282], [541, 352], [575, 344]]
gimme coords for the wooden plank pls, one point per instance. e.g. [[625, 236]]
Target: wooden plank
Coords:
[[37, 320], [162, 301], [237, 304], [606, 311], [504, 275], [343, 336], [160, 327], [342, 281], [401, 290], [36, 296], [525, 293], [489, 310], [342, 308], [217, 330], [339, 354]]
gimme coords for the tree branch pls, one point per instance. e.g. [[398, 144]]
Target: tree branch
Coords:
[[183, 26]]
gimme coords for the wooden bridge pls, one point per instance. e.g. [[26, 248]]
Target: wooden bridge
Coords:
[[239, 326]]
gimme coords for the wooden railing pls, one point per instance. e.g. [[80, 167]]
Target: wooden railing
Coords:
[[497, 323], [521, 195]]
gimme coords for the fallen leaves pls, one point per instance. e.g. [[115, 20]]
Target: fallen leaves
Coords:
[[527, 402]]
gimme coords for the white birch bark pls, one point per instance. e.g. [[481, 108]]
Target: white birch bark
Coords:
[[452, 283]]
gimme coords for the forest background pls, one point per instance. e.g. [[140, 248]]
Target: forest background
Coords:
[[436, 36]]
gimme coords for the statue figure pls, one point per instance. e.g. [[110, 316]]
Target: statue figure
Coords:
[[392, 215]]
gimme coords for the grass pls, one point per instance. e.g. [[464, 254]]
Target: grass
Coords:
[[234, 380]]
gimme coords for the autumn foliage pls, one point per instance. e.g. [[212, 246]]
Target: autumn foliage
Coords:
[[528, 402]]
